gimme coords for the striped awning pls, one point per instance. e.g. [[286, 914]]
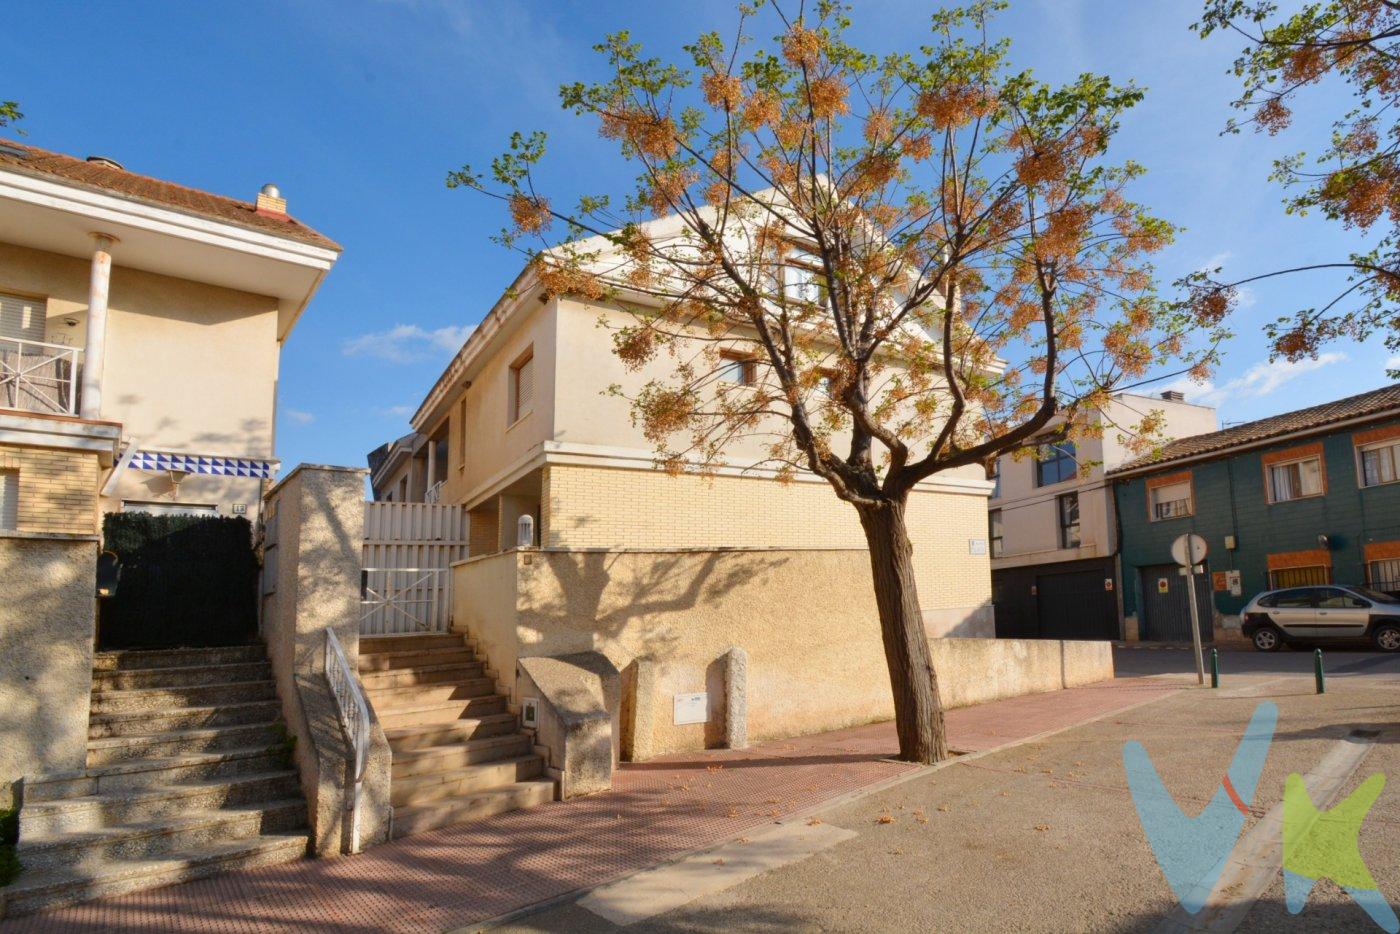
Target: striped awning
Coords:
[[205, 464]]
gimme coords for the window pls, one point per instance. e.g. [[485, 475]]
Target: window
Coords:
[[1292, 599], [23, 318], [1054, 463], [1331, 598], [1300, 577], [1384, 575], [522, 387], [802, 278], [9, 499], [996, 479], [1171, 500], [1069, 520], [1380, 463], [994, 532], [1295, 480], [736, 368]]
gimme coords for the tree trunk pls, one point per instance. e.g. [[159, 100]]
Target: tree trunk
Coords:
[[918, 712]]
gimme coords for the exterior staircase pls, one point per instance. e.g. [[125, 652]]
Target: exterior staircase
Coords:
[[188, 775], [458, 752]]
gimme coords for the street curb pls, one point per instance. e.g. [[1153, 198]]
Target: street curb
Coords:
[[914, 771]]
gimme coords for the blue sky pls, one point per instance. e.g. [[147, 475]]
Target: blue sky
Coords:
[[357, 110]]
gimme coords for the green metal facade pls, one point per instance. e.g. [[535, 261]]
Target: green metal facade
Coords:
[[1230, 499]]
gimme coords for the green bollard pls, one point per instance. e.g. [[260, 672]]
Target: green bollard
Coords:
[[1317, 671], [1215, 668]]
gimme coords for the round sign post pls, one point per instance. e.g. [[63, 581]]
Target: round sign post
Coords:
[[1189, 551]]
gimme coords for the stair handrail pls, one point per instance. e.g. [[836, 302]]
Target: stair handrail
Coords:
[[354, 720]]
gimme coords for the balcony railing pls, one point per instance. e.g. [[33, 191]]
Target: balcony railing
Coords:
[[39, 377], [434, 492]]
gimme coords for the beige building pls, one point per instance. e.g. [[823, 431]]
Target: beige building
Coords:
[[141, 303], [1052, 528], [141, 324]]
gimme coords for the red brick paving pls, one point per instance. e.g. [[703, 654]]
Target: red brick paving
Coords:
[[657, 811]]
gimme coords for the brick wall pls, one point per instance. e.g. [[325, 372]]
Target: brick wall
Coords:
[[57, 489], [592, 507]]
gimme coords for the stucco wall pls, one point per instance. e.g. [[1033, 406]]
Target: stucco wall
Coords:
[[806, 618], [46, 642], [189, 367], [57, 489], [590, 507]]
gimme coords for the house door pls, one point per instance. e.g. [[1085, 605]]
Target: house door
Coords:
[[1076, 605], [1166, 617]]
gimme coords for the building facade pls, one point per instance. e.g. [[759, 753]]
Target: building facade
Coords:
[[1307, 497], [1052, 526]]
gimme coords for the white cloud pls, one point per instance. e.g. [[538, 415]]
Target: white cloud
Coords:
[[1263, 379], [408, 343], [1393, 363], [396, 411], [298, 416], [1215, 262]]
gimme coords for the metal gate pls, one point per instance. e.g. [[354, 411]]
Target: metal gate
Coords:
[[406, 581], [1166, 617], [1076, 605]]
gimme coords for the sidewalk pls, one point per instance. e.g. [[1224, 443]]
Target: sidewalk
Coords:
[[657, 811]]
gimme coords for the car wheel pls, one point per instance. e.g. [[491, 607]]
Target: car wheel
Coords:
[[1268, 639], [1386, 636]]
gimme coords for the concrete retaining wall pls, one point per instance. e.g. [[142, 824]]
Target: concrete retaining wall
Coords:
[[667, 619], [47, 616]]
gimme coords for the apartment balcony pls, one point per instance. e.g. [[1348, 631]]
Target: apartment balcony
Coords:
[[39, 377]]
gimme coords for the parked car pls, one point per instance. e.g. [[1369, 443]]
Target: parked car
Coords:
[[1332, 613]]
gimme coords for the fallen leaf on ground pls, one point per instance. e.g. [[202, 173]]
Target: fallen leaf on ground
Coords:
[[1042, 826], [884, 819], [719, 862], [944, 807], [713, 768], [813, 821], [733, 812]]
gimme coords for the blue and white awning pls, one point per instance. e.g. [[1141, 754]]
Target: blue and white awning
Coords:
[[205, 464]]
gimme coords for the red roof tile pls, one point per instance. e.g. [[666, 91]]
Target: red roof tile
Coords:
[[1375, 402], [97, 176]]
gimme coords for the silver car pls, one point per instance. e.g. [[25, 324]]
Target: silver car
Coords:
[[1325, 613]]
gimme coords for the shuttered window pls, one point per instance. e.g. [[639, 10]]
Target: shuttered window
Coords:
[[1171, 501], [522, 388], [9, 499], [22, 317]]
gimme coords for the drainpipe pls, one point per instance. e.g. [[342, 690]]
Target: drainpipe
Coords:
[[95, 345]]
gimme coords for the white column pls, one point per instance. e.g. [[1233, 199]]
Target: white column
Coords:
[[432, 468], [95, 346]]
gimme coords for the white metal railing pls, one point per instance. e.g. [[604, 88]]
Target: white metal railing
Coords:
[[402, 600], [38, 377], [354, 720], [434, 492]]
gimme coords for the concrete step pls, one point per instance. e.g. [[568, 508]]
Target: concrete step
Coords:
[[421, 817], [110, 749], [421, 789], [422, 674], [454, 757], [417, 695], [155, 773], [409, 738], [411, 642], [153, 839], [53, 888], [144, 722], [178, 676], [177, 658], [163, 700], [93, 811], [440, 712], [388, 661]]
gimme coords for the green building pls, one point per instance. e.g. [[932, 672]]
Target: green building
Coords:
[[1306, 497]]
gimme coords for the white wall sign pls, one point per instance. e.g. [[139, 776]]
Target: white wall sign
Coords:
[[977, 546], [692, 708]]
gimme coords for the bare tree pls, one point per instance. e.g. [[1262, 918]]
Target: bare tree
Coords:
[[885, 266]]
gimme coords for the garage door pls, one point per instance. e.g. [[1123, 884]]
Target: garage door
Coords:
[[1166, 617], [1076, 605]]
